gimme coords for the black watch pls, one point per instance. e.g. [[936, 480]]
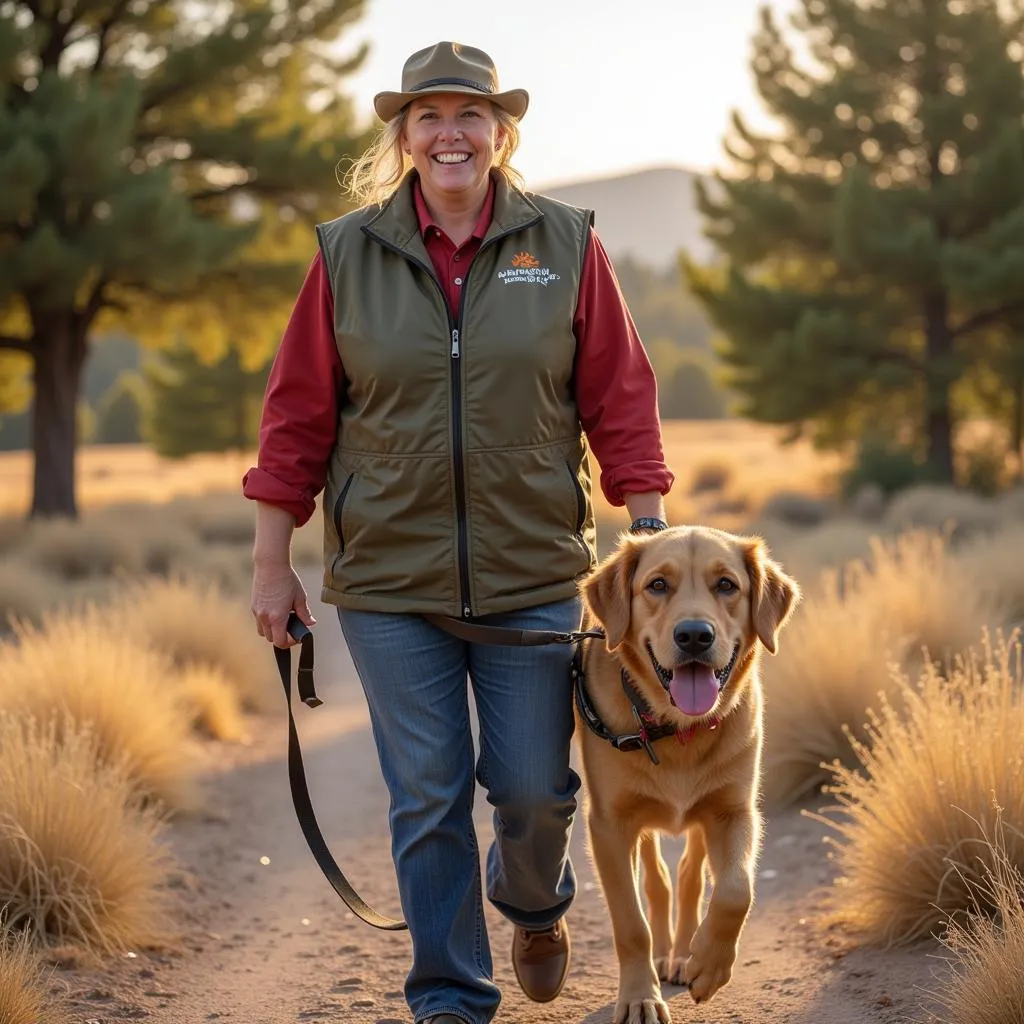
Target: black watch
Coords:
[[645, 523]]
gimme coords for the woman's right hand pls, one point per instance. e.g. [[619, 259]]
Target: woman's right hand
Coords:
[[276, 592]]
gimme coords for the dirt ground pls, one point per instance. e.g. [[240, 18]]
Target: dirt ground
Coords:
[[266, 941]]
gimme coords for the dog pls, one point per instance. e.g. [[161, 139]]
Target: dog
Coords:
[[669, 720]]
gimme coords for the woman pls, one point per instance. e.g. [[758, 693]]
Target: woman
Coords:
[[454, 341]]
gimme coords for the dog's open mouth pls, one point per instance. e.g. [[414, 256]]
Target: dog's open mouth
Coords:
[[694, 686]]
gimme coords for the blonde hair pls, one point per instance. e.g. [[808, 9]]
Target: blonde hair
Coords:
[[375, 176]]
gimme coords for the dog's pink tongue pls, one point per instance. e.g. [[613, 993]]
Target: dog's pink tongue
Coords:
[[694, 688]]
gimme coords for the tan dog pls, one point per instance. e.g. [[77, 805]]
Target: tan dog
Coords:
[[685, 612]]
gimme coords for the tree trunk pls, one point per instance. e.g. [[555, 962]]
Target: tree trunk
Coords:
[[1017, 423], [59, 352], [939, 373]]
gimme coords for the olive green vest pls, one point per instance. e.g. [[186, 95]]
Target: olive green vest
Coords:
[[460, 482]]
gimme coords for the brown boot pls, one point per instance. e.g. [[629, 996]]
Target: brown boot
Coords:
[[541, 961]]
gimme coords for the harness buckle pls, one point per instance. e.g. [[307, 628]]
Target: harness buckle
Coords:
[[643, 737]]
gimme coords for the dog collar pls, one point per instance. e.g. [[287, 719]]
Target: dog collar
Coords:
[[648, 730]]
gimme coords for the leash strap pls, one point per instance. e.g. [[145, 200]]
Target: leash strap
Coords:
[[503, 636], [297, 777]]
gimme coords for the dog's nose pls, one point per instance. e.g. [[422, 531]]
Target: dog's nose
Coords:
[[694, 636]]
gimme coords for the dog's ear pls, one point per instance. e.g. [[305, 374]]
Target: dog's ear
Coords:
[[773, 594], [608, 591]]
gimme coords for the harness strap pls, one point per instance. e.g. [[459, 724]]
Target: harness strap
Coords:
[[297, 777]]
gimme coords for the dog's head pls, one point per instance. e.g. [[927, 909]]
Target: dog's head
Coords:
[[685, 610]]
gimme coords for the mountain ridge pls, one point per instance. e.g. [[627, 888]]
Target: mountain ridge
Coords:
[[649, 215]]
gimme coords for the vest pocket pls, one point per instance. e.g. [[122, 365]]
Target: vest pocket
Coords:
[[339, 508], [581, 501]]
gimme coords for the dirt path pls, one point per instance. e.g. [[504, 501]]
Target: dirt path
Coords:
[[269, 942]]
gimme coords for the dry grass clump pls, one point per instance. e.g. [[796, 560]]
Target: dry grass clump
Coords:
[[25, 592], [915, 814], [931, 506], [87, 668], [74, 550], [217, 518], [212, 703], [992, 562], [23, 999], [987, 983], [807, 552], [710, 475], [797, 509], [196, 623], [81, 863], [836, 656]]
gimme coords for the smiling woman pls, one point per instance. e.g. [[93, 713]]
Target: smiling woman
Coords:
[[457, 346], [377, 173]]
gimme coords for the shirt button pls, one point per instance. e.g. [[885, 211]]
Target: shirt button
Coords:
[[458, 280], [457, 257]]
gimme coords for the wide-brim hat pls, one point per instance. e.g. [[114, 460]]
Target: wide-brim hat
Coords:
[[450, 67]]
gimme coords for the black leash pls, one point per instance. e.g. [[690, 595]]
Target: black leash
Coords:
[[297, 777]]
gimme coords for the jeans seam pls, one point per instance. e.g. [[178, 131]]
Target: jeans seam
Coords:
[[480, 923]]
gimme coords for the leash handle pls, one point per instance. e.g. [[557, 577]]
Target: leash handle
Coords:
[[297, 778]]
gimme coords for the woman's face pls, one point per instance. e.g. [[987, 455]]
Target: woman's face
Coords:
[[452, 139]]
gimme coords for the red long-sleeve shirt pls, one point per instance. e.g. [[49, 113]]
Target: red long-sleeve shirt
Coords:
[[614, 383]]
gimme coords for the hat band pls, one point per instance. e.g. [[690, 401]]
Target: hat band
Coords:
[[452, 81]]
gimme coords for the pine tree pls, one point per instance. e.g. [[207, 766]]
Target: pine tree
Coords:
[[161, 162], [873, 239], [120, 412], [194, 406]]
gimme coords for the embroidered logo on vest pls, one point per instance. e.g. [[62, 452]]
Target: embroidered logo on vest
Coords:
[[526, 269]]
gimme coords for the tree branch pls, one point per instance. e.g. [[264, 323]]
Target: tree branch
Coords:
[[988, 316], [102, 37], [8, 341]]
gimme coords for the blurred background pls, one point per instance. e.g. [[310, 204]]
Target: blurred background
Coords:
[[814, 211]]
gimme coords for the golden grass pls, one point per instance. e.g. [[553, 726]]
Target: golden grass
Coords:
[[987, 983], [835, 658], [992, 564], [195, 623], [23, 976], [914, 816], [84, 667], [960, 513], [81, 862], [25, 591], [212, 703]]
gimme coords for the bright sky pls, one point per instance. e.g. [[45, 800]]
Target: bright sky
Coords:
[[614, 85]]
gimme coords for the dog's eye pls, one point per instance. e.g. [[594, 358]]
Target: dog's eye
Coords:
[[658, 585], [726, 586]]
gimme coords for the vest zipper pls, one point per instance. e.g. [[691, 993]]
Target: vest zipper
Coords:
[[458, 457]]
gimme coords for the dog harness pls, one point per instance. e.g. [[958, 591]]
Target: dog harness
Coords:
[[648, 730]]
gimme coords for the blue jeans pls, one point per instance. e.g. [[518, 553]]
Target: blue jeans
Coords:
[[414, 676]]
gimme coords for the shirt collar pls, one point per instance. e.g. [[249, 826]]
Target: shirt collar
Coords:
[[426, 220]]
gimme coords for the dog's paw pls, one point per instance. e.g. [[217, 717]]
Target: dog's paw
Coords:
[[708, 967], [641, 1010], [671, 969]]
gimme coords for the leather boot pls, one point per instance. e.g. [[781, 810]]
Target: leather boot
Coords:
[[541, 961]]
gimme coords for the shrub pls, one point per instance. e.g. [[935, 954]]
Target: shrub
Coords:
[[987, 984], [22, 980], [212, 703], [835, 658], [930, 506], [796, 509], [914, 816], [710, 476], [81, 861], [194, 623], [86, 668], [890, 466]]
